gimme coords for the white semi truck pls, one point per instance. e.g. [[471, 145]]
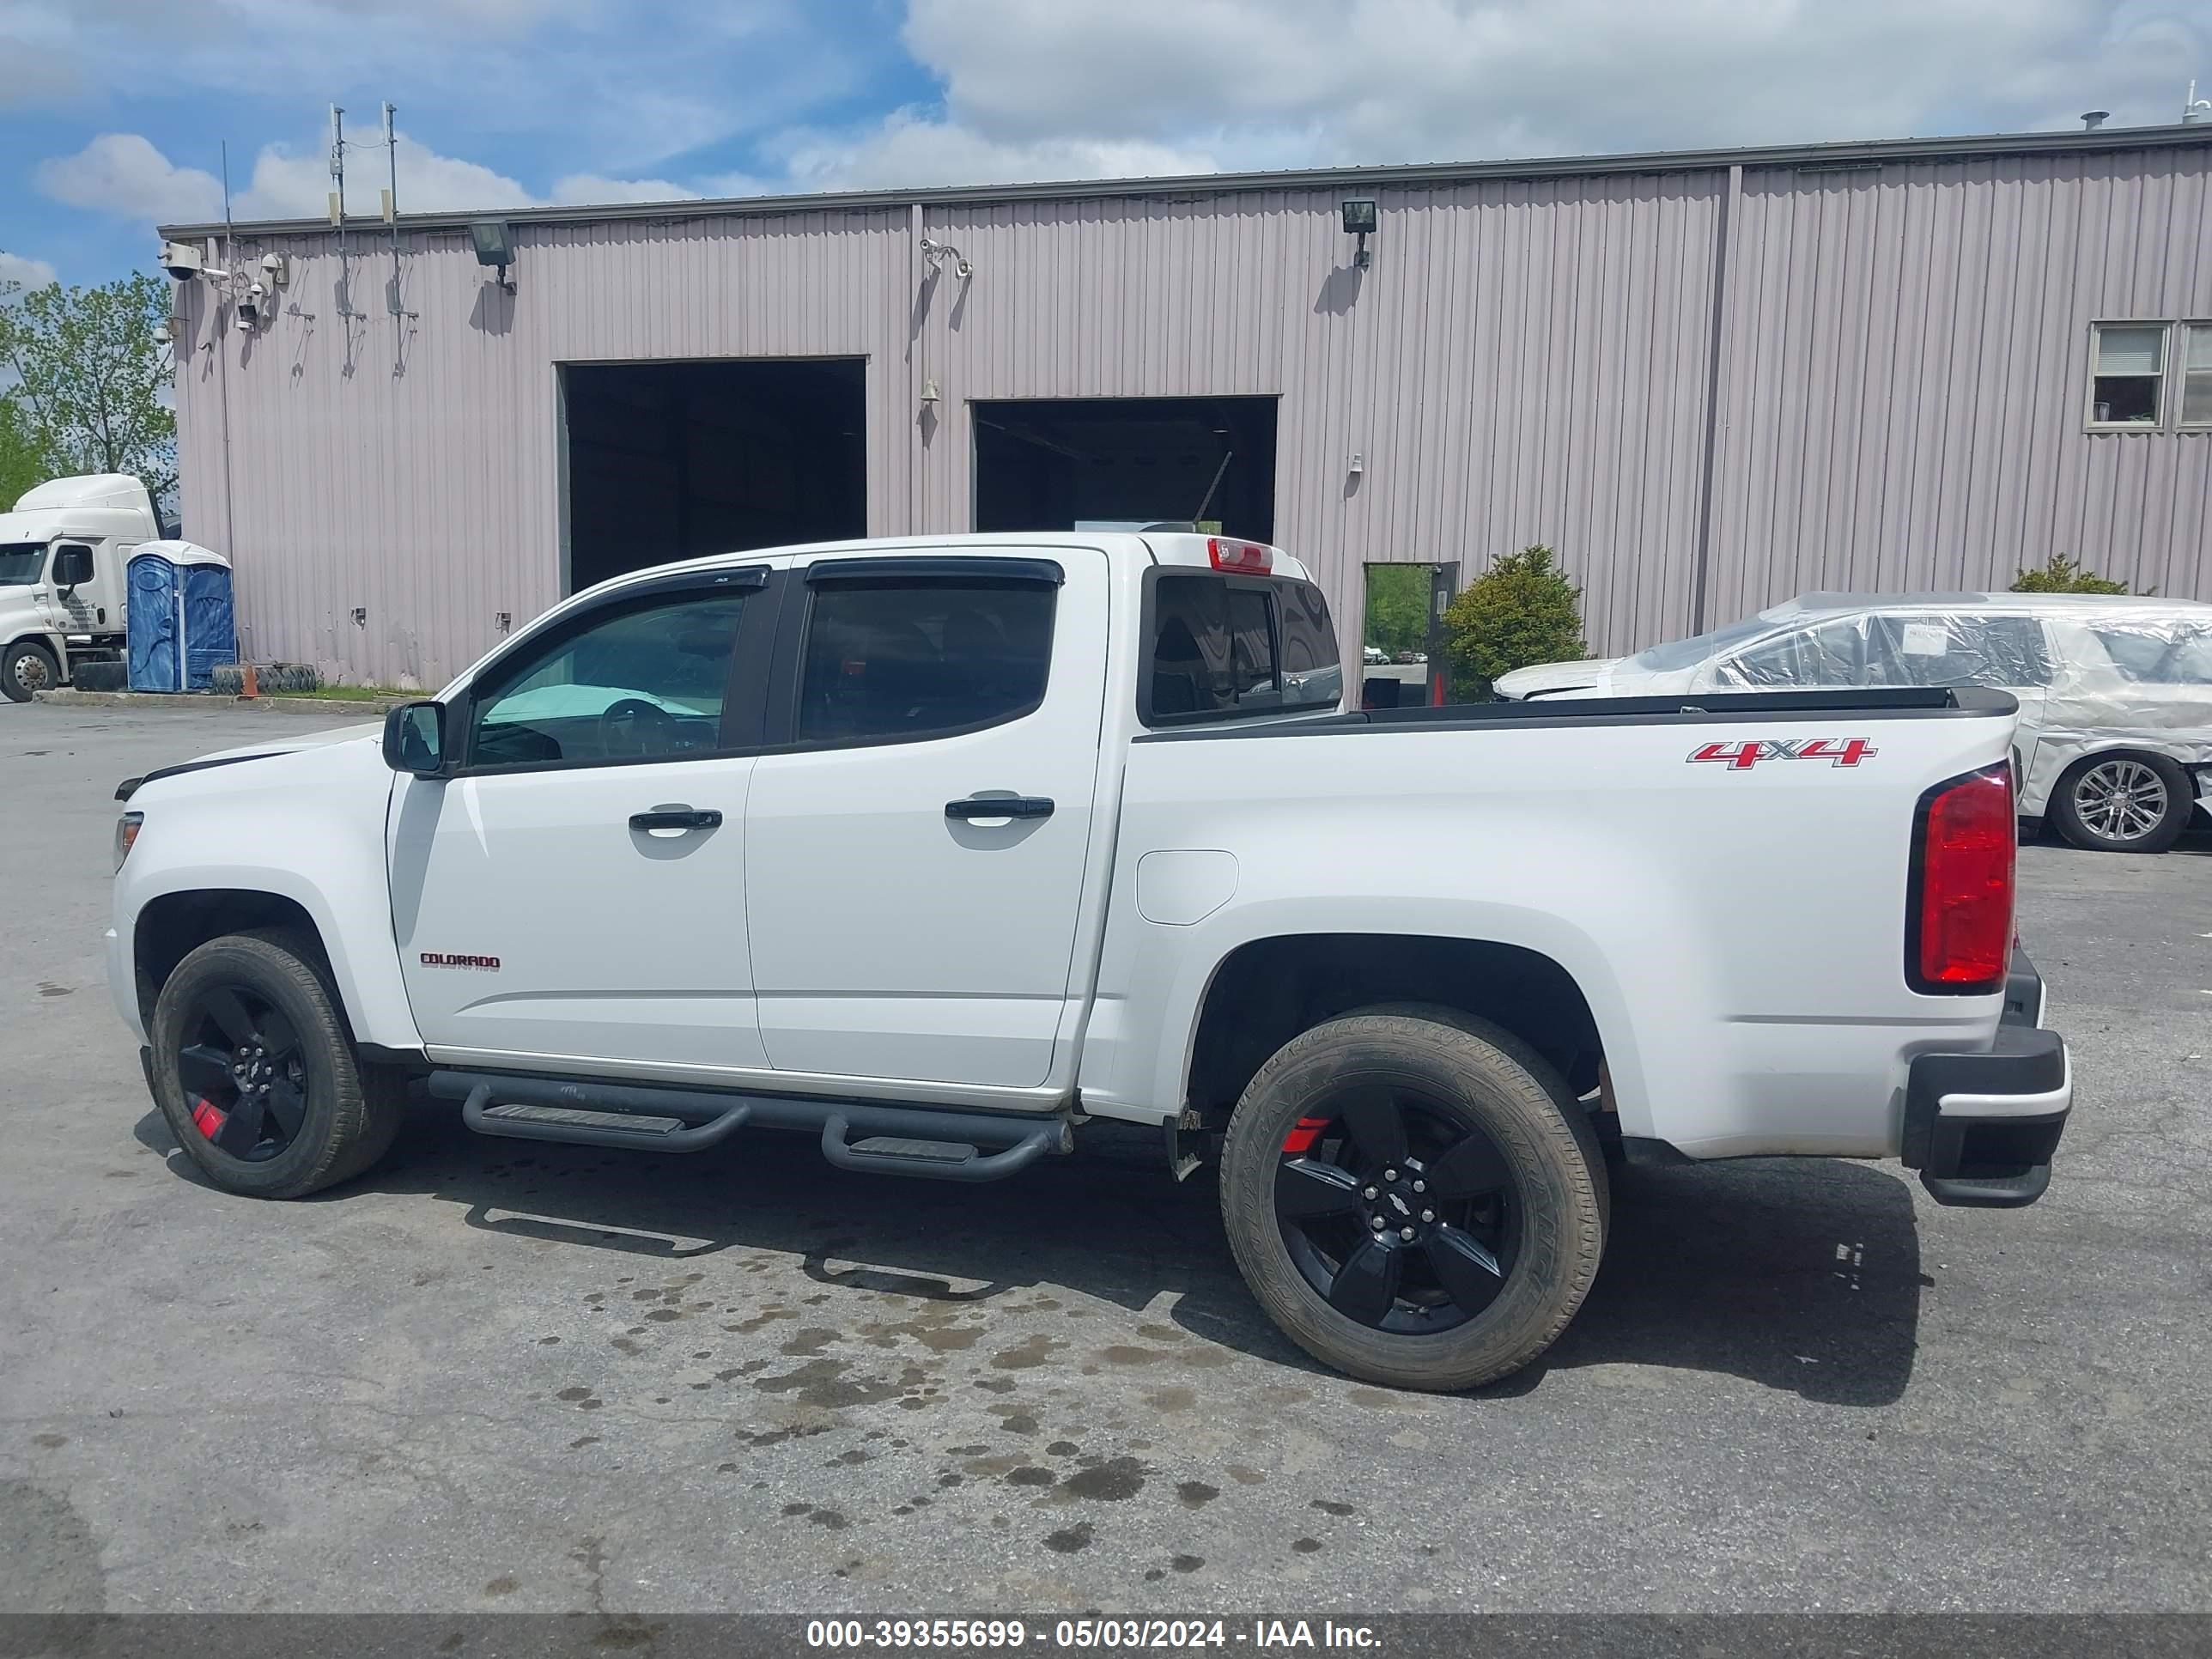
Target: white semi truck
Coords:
[[63, 550]]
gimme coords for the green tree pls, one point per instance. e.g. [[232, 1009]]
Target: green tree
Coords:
[[92, 375], [2063, 576], [22, 456], [1521, 611], [1397, 607]]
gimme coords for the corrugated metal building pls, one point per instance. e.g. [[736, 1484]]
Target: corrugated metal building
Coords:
[[1710, 379]]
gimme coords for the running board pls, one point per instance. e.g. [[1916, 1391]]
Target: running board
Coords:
[[938, 1145], [578, 1125], [935, 1160]]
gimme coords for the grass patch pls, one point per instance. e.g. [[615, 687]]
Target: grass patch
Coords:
[[349, 693]]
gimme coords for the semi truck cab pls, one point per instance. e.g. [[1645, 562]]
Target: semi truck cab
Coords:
[[63, 549]]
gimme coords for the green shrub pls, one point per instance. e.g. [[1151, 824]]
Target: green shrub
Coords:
[[2063, 576], [1519, 612]]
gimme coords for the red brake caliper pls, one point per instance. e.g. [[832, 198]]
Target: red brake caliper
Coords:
[[1301, 1139], [209, 1118]]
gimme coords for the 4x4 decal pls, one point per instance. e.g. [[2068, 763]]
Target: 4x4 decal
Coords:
[[1743, 756]]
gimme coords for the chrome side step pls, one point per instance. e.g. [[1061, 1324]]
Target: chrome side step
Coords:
[[858, 1135]]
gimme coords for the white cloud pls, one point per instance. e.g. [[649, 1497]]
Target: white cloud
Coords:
[[28, 272], [1354, 81], [595, 189], [292, 183], [123, 174], [908, 149]]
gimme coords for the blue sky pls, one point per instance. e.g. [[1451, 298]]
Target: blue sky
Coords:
[[113, 112]]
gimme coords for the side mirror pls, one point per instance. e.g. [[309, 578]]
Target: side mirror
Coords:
[[72, 567], [415, 740]]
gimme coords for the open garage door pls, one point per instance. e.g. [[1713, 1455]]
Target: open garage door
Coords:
[[671, 460], [1053, 464]]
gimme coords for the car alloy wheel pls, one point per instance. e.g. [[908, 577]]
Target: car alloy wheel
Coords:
[[1396, 1211], [244, 1076], [2121, 799]]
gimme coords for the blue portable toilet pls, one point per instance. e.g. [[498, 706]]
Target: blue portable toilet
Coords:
[[178, 617]]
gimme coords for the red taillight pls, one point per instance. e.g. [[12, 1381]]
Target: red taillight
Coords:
[[1256, 556], [1960, 920]]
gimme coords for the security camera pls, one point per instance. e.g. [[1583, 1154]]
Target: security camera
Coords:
[[277, 268], [181, 260]]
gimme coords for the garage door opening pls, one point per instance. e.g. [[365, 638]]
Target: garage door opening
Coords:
[[1061, 463], [673, 460]]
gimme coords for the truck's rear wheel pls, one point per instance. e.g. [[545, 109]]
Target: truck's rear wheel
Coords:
[[27, 667], [1414, 1199], [254, 1071], [2129, 802]]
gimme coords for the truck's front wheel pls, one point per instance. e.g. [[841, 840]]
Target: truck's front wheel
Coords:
[[1414, 1198], [27, 667], [254, 1070]]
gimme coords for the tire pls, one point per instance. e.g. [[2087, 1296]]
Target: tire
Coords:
[[1518, 1176], [237, 999], [2126, 801], [28, 666]]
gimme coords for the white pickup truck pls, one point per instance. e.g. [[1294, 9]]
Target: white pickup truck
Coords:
[[941, 849]]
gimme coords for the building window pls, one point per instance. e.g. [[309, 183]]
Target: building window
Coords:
[[2127, 375], [2197, 374]]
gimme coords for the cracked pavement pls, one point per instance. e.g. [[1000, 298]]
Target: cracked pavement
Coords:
[[498, 1375]]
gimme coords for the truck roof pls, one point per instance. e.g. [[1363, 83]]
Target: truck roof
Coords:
[[98, 489], [1145, 547], [1808, 604]]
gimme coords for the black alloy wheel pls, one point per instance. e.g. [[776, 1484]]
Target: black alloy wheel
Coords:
[[244, 1073], [1399, 1212]]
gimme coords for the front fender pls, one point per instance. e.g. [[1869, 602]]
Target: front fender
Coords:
[[307, 826]]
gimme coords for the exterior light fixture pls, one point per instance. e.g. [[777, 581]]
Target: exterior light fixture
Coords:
[[933, 254], [493, 240], [1359, 221], [929, 390]]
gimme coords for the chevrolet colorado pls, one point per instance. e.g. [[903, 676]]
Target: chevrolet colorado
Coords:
[[941, 848]]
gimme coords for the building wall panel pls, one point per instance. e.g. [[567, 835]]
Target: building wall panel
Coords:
[[1908, 351], [1902, 355]]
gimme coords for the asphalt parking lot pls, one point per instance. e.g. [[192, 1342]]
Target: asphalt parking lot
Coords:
[[494, 1375]]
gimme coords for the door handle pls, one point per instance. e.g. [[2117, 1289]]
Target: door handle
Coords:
[[1000, 806], [676, 818]]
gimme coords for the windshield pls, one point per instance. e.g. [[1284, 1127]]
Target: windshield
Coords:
[[20, 563], [1687, 654]]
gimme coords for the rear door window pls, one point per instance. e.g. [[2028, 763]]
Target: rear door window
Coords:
[[902, 658], [1958, 648], [1222, 647]]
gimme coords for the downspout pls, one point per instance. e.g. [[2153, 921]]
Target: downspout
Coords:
[[910, 424], [1722, 232]]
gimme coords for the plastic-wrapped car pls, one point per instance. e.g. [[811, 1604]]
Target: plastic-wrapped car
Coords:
[[2115, 738]]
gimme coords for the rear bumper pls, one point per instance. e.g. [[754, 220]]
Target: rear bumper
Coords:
[[1982, 1127]]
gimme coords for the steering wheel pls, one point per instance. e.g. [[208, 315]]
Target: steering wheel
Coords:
[[631, 725]]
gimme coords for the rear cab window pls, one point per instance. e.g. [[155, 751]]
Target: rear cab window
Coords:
[[1225, 645]]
